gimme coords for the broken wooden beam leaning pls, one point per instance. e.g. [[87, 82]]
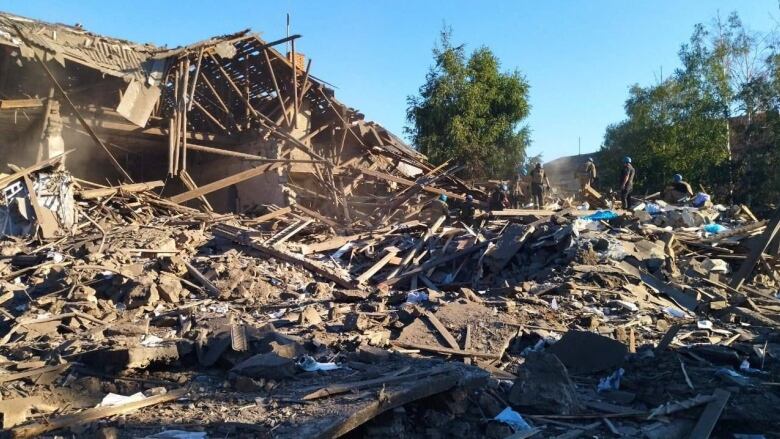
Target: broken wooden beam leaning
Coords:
[[225, 182], [238, 236], [770, 234]]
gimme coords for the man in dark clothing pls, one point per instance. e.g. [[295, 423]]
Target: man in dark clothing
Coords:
[[468, 211], [538, 181], [588, 174], [678, 191], [626, 183], [499, 200]]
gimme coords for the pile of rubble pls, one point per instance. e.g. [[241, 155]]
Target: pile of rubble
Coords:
[[125, 314]]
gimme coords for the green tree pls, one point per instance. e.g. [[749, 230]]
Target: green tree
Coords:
[[469, 111], [687, 123]]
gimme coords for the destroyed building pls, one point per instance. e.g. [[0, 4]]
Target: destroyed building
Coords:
[[143, 295], [229, 122]]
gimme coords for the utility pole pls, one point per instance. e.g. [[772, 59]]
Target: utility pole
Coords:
[[579, 145], [288, 33]]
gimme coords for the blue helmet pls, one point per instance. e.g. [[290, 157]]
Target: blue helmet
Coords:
[[626, 159], [677, 178], [469, 197], [504, 187], [443, 197], [590, 159]]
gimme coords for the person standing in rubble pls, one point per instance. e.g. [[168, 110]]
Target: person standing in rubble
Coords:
[[499, 200], [538, 182], [588, 174], [436, 209], [627, 175], [468, 211]]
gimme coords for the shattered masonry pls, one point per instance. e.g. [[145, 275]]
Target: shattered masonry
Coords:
[[222, 249]]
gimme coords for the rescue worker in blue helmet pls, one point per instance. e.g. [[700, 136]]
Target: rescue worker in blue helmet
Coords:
[[627, 175], [678, 191], [499, 199], [468, 211]]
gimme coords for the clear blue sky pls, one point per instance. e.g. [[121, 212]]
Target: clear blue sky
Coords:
[[580, 57]]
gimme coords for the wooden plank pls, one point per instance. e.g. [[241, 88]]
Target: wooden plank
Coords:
[[4, 181], [234, 234], [206, 112], [269, 216], [743, 230], [390, 254], [770, 233], [443, 350], [316, 215], [191, 99], [538, 213], [245, 156], [4, 378], [421, 388], [225, 182], [709, 417], [203, 280], [404, 181], [305, 84], [667, 338], [445, 333], [292, 232], [91, 194], [294, 79], [467, 343], [418, 246], [7, 104], [216, 95], [90, 415], [337, 389], [436, 262], [748, 212], [185, 177], [50, 227], [276, 87]]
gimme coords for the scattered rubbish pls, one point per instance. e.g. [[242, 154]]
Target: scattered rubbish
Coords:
[[416, 297], [675, 312], [602, 215], [309, 364], [611, 382], [715, 265], [714, 228], [514, 419], [704, 324], [317, 234], [113, 399]]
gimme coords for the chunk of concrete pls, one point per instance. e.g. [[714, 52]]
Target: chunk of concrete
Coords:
[[543, 386], [169, 288], [588, 352], [269, 365], [350, 295], [309, 316]]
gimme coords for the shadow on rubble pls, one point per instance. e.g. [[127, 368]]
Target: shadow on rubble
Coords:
[[276, 388]]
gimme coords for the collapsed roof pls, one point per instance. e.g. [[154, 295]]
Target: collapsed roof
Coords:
[[181, 112]]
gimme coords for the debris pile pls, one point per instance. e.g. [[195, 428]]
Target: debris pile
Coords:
[[134, 316], [281, 267]]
